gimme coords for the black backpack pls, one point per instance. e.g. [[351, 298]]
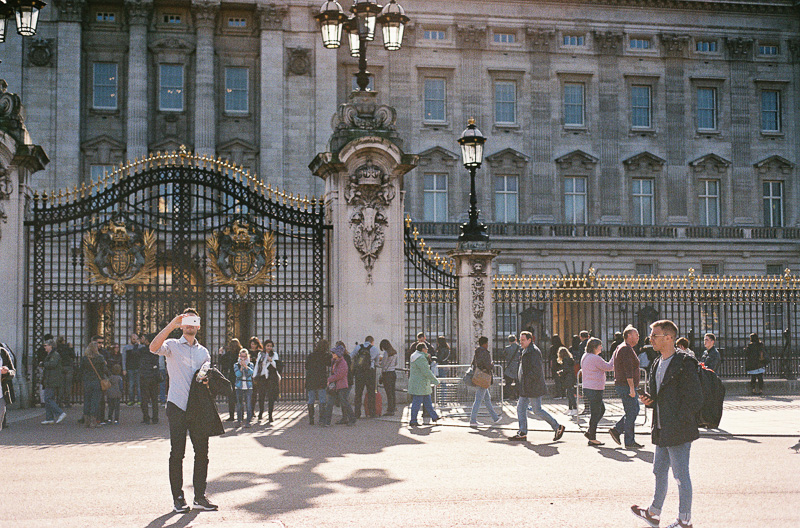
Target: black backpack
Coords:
[[363, 360], [710, 413]]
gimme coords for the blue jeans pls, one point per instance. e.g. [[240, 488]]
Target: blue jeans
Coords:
[[91, 396], [628, 420], [134, 386], [340, 397], [536, 403], [677, 458], [243, 397], [482, 395], [52, 410], [319, 395], [418, 401]]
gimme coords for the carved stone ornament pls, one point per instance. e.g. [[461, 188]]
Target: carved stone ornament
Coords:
[[299, 62], [242, 255], [369, 192], [350, 115], [138, 11], [471, 36], [675, 45], [70, 10], [540, 39], [271, 16], [710, 164], [205, 13], [740, 48], [40, 52], [478, 276], [11, 120], [120, 254], [608, 41], [6, 188]]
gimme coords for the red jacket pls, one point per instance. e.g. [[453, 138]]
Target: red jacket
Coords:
[[339, 373]]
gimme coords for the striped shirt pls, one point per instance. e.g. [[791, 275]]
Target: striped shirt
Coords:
[[182, 362]]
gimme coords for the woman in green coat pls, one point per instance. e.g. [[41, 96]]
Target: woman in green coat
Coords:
[[420, 379]]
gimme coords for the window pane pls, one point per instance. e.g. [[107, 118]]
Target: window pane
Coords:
[[434, 99], [105, 85], [575, 200], [573, 104], [236, 87], [171, 87], [435, 197], [640, 106], [770, 110], [505, 94], [706, 108]]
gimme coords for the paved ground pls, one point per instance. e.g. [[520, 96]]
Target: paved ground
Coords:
[[381, 473]]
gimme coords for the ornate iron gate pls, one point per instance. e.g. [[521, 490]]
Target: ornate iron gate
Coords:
[[730, 307], [129, 251], [431, 293]]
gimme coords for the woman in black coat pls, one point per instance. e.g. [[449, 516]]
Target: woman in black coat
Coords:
[[552, 356], [755, 363], [566, 373], [274, 370], [316, 375]]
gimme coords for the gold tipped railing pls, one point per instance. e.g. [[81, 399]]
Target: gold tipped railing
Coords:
[[443, 263], [182, 158]]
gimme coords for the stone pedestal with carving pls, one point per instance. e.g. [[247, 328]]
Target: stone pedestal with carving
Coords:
[[475, 313], [363, 172], [18, 160]]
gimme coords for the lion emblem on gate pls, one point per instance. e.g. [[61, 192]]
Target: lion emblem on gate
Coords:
[[119, 253], [241, 255]]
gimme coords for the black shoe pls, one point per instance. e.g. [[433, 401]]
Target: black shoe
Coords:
[[633, 446], [615, 435], [559, 433], [155, 420], [180, 505], [202, 503], [342, 422], [519, 437], [145, 420]]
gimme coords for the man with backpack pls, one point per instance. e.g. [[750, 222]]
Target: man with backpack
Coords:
[[365, 357], [675, 393]]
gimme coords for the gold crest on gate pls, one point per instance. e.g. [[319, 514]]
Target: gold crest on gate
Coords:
[[241, 255], [118, 253]]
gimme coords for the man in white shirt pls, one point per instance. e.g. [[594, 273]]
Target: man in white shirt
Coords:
[[184, 357]]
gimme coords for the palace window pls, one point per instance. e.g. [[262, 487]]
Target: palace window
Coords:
[[770, 111], [642, 201], [640, 43], [105, 16], [574, 40], [435, 197], [505, 38], [434, 34], [575, 200], [640, 106], [573, 104], [172, 18], [236, 89], [706, 46], [505, 102], [435, 98], [773, 204], [769, 50], [709, 202], [98, 171], [237, 22], [707, 108], [104, 86], [171, 87], [505, 199]]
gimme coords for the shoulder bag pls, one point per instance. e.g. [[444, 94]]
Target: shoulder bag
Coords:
[[481, 379], [105, 383]]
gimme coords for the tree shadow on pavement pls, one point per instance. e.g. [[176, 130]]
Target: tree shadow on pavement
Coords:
[[298, 485]]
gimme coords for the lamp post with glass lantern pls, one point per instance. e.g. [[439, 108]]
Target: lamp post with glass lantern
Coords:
[[26, 13], [360, 29], [471, 142]]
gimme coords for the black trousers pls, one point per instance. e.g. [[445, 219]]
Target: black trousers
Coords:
[[178, 427], [511, 390], [363, 381], [149, 387], [756, 382], [259, 393], [598, 408], [389, 383]]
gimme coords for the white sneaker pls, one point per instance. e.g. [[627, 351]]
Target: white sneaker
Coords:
[[473, 424], [61, 417], [47, 422]]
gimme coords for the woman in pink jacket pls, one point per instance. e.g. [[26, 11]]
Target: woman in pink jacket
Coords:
[[593, 372], [338, 396]]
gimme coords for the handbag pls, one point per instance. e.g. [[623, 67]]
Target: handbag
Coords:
[[481, 379], [331, 388], [105, 383], [467, 379]]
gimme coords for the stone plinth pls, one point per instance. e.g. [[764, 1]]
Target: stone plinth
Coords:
[[363, 173], [475, 313]]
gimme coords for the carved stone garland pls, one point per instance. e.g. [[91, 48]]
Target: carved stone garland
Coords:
[[478, 275], [369, 192]]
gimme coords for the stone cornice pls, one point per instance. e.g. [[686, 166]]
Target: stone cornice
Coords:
[[742, 6]]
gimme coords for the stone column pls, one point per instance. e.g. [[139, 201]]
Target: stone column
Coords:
[[744, 193], [678, 132], [545, 190], [68, 89], [136, 125], [271, 90], [475, 306], [205, 101], [18, 160], [363, 175], [609, 182]]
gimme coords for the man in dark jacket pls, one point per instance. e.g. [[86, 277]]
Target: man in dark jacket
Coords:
[[531, 389], [185, 357], [7, 373], [676, 397], [711, 356], [511, 354], [316, 378]]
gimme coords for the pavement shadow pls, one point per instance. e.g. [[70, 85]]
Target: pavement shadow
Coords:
[[721, 435], [181, 520], [298, 485], [620, 455]]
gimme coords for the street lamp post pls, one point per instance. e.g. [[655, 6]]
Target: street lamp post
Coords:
[[26, 13], [360, 29], [471, 142]]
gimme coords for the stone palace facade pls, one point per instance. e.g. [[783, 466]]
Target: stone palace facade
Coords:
[[631, 136]]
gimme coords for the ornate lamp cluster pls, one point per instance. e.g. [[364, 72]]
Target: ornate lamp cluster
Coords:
[[360, 29], [26, 13]]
